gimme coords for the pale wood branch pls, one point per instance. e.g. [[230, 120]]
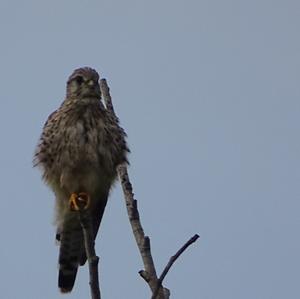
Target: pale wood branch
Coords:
[[143, 242], [89, 244]]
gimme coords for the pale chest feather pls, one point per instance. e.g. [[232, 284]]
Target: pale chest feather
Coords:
[[81, 138]]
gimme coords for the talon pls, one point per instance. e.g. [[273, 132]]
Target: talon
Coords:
[[84, 200], [79, 201], [73, 202]]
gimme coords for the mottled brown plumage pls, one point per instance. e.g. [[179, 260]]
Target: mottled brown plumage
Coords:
[[80, 147]]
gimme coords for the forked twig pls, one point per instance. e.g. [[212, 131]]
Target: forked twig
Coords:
[[143, 242], [171, 262]]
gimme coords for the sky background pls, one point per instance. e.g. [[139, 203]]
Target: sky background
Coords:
[[208, 92]]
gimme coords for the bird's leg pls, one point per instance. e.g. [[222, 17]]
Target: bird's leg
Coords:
[[79, 201]]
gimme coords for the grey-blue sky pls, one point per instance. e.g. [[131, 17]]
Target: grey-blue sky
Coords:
[[208, 92]]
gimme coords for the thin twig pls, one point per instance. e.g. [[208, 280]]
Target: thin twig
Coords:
[[107, 99], [143, 242], [89, 244], [171, 262]]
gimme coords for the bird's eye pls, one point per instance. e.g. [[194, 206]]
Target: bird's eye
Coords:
[[79, 80]]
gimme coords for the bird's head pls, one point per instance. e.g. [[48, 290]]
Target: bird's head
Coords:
[[83, 83]]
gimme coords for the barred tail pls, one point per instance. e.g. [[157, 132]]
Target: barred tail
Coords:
[[66, 278], [70, 253]]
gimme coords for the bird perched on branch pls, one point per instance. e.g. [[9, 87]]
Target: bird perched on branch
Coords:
[[79, 150]]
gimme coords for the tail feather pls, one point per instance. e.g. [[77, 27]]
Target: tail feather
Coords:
[[66, 279], [71, 249], [72, 252]]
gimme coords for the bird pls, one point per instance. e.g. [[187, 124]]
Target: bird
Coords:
[[79, 150]]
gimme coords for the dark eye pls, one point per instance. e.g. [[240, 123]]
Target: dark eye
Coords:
[[79, 80]]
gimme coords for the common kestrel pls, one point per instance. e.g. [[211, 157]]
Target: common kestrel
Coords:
[[80, 147]]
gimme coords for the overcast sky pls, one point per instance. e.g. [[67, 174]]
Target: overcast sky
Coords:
[[208, 92]]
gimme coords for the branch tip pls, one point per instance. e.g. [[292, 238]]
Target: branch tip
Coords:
[[144, 275], [170, 263]]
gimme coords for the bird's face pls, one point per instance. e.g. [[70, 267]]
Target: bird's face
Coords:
[[83, 83]]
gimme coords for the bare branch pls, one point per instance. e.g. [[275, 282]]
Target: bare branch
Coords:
[[89, 244], [107, 98], [171, 262], [143, 242]]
